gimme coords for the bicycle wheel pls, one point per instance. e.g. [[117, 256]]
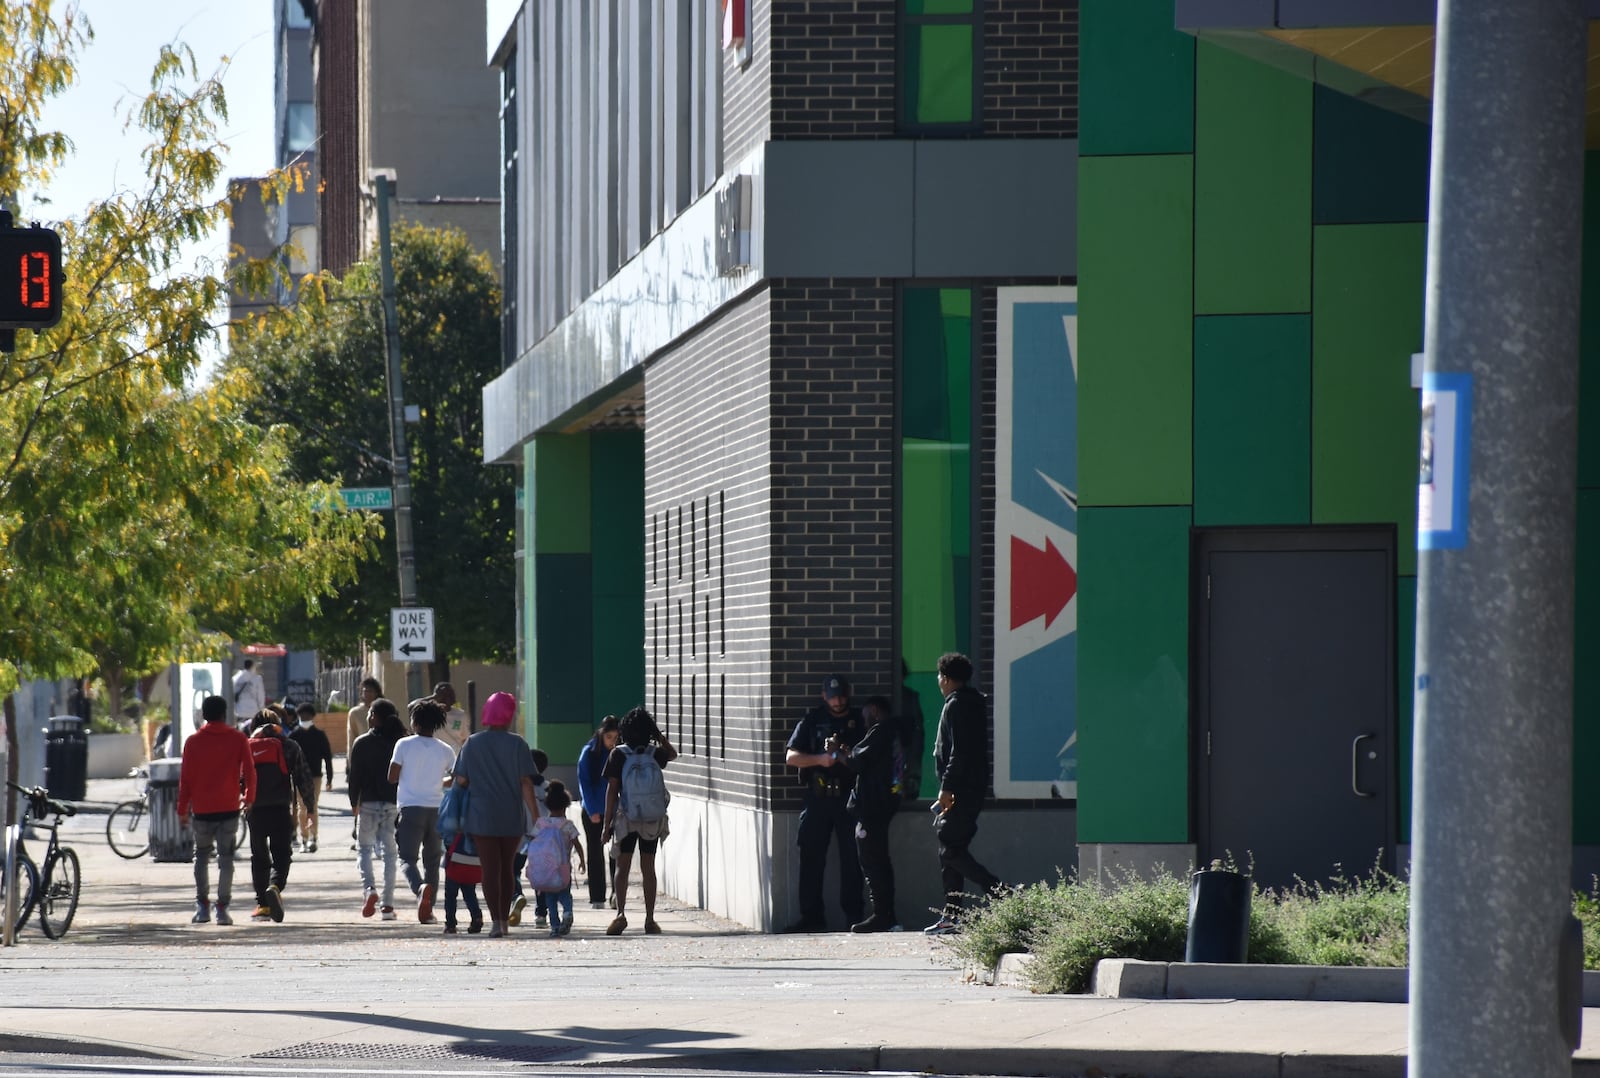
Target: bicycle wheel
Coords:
[[27, 890], [128, 831], [58, 893]]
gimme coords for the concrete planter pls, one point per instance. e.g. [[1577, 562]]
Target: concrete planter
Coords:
[[111, 755]]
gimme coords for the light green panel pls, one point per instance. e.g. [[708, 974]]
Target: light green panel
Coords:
[[1252, 186], [1136, 79], [1135, 331], [1586, 675], [562, 742], [1133, 675], [558, 467], [1252, 419], [1365, 415]]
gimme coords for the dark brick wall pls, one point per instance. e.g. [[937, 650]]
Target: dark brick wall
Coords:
[[833, 69], [832, 527]]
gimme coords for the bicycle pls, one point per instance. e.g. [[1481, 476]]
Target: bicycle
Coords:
[[128, 826], [56, 890]]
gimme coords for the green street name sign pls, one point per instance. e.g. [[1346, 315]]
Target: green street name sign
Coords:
[[367, 497]]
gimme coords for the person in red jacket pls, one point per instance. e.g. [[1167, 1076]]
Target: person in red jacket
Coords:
[[216, 780]]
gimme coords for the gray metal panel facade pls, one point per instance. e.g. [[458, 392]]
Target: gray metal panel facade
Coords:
[[839, 209], [997, 208]]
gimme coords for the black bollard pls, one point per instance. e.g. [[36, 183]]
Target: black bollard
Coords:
[[1219, 917]]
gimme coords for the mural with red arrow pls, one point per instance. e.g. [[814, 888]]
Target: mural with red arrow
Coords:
[[1042, 583]]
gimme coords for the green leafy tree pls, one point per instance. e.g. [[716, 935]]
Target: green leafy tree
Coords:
[[321, 367], [139, 518]]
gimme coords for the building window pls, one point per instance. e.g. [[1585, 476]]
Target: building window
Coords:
[[302, 250], [938, 68], [300, 126], [294, 14], [935, 490]]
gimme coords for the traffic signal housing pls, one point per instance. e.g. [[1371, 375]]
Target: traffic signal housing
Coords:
[[30, 278]]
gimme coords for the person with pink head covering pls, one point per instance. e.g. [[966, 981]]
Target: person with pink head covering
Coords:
[[497, 769]]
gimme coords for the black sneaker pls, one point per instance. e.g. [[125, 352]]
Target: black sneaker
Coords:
[[876, 923], [274, 903]]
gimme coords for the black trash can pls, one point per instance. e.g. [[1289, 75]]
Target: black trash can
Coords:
[[170, 838], [1219, 917], [66, 758]]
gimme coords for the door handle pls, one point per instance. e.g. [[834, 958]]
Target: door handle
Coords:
[[1355, 757]]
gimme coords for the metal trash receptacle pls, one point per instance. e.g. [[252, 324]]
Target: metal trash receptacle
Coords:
[[1219, 917], [66, 758], [170, 837]]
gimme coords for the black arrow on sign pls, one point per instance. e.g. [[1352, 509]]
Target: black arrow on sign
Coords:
[[409, 648]]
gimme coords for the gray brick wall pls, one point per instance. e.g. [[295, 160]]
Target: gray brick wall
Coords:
[[832, 498], [707, 575], [833, 68], [747, 91]]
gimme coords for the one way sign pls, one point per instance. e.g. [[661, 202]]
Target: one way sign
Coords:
[[411, 634]]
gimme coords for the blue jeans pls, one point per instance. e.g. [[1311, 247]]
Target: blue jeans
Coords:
[[375, 827], [466, 892], [553, 899]]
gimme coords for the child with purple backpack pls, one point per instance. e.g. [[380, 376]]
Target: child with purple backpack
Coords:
[[550, 850]]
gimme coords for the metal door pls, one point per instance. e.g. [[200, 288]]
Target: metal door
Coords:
[[1295, 700]]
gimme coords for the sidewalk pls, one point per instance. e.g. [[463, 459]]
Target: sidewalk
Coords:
[[132, 977]]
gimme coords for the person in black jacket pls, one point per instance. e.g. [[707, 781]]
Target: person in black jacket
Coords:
[[281, 773], [314, 745], [373, 799], [961, 760], [879, 763], [822, 814]]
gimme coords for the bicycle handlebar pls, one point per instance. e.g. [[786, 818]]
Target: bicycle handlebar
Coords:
[[41, 803]]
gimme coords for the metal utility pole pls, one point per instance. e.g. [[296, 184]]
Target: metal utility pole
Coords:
[[398, 452], [1493, 959]]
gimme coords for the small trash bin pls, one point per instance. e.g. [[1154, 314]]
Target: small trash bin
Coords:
[[1219, 917], [66, 758], [170, 837]]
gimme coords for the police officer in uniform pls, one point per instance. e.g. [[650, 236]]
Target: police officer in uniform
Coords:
[[827, 787]]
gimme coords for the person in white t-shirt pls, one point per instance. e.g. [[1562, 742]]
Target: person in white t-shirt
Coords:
[[456, 728], [418, 768], [249, 694]]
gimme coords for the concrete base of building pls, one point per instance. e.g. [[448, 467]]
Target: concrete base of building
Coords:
[[1108, 863]]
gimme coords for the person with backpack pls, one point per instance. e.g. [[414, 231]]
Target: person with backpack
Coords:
[[550, 857], [879, 763], [281, 774], [592, 792], [372, 797], [636, 809]]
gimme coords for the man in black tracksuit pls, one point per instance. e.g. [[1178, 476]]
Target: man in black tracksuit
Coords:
[[281, 772], [875, 759], [961, 760]]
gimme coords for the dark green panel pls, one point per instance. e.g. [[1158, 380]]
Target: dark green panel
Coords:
[[619, 653], [1589, 337], [1252, 420], [1586, 675], [1133, 675], [1252, 186], [1136, 80], [560, 484], [564, 628], [617, 512], [1371, 164], [1136, 333], [1365, 428], [1406, 670]]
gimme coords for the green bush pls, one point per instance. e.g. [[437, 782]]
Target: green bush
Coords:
[[1586, 906], [1070, 925]]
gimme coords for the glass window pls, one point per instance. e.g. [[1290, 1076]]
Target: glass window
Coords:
[[935, 488], [303, 253], [295, 15], [300, 126], [938, 71]]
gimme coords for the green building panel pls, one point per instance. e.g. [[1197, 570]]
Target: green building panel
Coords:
[[1136, 332], [558, 470], [1371, 165], [1365, 431], [1252, 419], [1136, 79], [1586, 675], [1405, 676], [1133, 675], [562, 742], [1589, 336], [1252, 186], [563, 641], [616, 501]]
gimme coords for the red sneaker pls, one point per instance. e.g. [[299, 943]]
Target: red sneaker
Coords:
[[370, 906]]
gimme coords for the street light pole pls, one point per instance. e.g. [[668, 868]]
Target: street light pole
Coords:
[[1495, 984], [399, 454]]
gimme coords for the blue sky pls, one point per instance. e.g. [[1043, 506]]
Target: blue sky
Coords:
[[114, 73]]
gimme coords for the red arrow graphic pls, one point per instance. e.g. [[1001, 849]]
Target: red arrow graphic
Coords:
[[1041, 582]]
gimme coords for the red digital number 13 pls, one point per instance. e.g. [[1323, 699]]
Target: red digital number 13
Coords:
[[39, 261]]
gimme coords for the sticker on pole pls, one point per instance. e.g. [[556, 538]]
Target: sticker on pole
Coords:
[[411, 634], [1446, 451]]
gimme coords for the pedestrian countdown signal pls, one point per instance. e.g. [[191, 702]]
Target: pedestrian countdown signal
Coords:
[[30, 278]]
